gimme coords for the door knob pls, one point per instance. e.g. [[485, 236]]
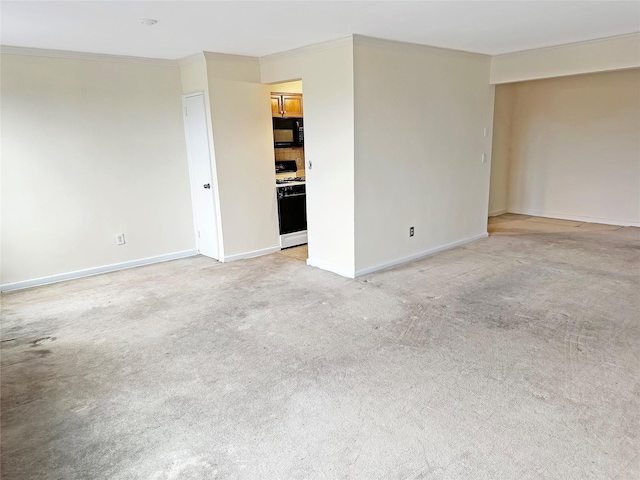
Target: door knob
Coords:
[[207, 185]]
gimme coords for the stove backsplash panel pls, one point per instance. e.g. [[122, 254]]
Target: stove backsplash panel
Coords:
[[296, 154]]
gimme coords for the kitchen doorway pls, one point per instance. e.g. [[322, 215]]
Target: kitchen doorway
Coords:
[[287, 111]]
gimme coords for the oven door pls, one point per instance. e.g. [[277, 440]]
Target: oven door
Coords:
[[292, 212]]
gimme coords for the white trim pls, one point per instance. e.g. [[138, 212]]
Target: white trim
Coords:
[[495, 213], [214, 169], [330, 268], [614, 53], [316, 47], [572, 44], [366, 41], [415, 256], [255, 253], [41, 52], [192, 94], [7, 287], [227, 57], [215, 195], [292, 239], [575, 218]]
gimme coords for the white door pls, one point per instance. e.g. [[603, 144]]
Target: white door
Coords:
[[202, 195]]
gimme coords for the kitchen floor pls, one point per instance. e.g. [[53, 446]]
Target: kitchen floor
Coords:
[[301, 252]]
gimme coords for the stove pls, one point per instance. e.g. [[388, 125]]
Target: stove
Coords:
[[280, 181], [292, 205]]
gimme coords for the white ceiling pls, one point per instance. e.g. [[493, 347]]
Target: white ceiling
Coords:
[[260, 28]]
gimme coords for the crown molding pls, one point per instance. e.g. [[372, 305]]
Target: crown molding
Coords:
[[225, 57], [595, 41], [309, 49], [40, 52], [619, 52], [363, 40]]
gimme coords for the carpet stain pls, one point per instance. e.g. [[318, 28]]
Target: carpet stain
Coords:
[[39, 353], [38, 342]]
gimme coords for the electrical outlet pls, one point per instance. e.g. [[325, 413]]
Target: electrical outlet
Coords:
[[120, 239], [411, 232], [484, 158]]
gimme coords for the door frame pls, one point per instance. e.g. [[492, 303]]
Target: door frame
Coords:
[[214, 176]]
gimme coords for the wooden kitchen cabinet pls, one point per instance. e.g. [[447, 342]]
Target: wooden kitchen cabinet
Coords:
[[276, 106], [286, 105]]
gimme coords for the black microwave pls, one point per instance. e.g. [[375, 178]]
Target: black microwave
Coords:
[[288, 132]]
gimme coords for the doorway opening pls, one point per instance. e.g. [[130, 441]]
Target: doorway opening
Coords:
[[287, 112]]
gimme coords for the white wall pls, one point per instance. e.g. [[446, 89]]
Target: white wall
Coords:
[[575, 148], [243, 156], [601, 55], [90, 148], [326, 71], [503, 109], [193, 73], [287, 87], [419, 119]]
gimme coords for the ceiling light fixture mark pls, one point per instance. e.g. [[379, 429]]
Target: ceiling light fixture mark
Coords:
[[149, 22]]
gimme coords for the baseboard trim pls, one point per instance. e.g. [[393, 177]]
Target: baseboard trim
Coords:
[[330, 268], [253, 254], [415, 256], [575, 218], [495, 213], [8, 287]]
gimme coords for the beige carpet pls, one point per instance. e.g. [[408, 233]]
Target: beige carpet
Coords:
[[513, 357]]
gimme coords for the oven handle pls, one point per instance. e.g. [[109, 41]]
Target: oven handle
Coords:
[[293, 195]]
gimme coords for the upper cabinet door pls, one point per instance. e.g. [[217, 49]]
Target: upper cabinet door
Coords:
[[276, 105], [286, 105], [292, 105]]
